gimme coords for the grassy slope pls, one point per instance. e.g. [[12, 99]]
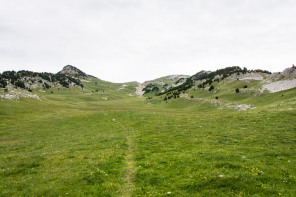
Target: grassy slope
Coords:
[[75, 143]]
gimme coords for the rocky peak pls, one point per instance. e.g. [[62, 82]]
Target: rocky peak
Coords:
[[72, 71]]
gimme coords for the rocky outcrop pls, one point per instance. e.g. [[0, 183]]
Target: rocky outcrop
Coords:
[[289, 72], [279, 85], [18, 94]]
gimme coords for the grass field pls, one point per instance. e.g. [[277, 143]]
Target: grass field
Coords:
[[74, 143]]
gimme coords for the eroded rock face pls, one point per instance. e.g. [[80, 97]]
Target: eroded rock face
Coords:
[[139, 89]]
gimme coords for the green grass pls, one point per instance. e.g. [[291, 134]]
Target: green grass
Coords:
[[74, 143], [215, 154]]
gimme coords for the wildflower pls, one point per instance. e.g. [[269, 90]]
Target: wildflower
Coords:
[[169, 192], [221, 175]]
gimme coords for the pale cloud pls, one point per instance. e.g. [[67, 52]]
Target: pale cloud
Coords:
[[128, 40]]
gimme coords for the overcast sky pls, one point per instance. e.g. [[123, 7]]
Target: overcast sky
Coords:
[[138, 40]]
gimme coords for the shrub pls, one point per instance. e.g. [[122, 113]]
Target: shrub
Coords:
[[65, 84], [20, 84], [3, 83], [211, 88], [45, 85]]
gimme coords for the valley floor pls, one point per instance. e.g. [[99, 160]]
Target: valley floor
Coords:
[[128, 147]]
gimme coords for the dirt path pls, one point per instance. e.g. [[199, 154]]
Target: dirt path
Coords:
[[128, 187]]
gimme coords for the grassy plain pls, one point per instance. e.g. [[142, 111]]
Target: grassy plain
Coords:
[[74, 143]]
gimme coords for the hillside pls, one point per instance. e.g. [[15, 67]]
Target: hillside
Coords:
[[232, 88], [203, 79]]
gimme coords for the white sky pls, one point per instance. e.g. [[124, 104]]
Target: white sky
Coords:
[[138, 40]]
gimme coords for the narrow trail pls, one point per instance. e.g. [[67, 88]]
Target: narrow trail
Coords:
[[128, 187]]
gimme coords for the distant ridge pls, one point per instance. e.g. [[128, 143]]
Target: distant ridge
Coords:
[[170, 86]]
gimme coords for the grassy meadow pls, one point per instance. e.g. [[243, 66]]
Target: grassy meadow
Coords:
[[76, 143]]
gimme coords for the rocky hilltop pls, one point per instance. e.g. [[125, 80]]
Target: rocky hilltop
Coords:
[[72, 71]]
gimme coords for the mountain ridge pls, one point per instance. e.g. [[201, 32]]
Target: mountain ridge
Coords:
[[172, 86]]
